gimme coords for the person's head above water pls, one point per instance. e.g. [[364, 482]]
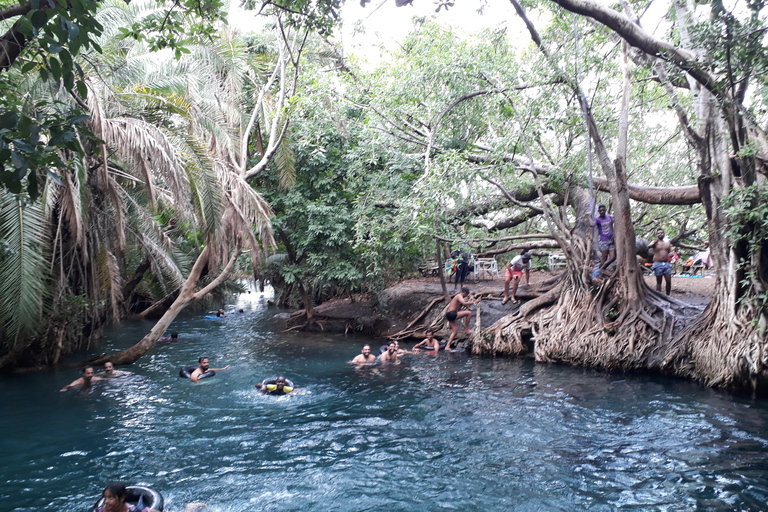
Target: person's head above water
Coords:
[[392, 347], [430, 333], [114, 497], [204, 364], [220, 313], [87, 373], [109, 368], [174, 335], [366, 350]]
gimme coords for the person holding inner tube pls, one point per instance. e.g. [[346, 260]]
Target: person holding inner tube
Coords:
[[278, 386], [429, 343], [204, 367], [114, 500], [364, 357]]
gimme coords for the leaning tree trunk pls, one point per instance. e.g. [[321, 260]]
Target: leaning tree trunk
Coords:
[[187, 295]]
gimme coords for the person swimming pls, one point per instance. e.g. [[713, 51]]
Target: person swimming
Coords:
[[114, 496], [364, 357], [85, 381], [278, 386], [203, 367]]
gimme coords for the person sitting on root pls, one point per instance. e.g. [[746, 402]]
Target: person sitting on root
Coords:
[[514, 272], [83, 382], [429, 343], [390, 355], [203, 366], [364, 357], [452, 314]]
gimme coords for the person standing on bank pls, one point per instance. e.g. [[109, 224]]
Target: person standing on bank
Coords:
[[604, 226], [661, 267], [514, 272], [462, 268]]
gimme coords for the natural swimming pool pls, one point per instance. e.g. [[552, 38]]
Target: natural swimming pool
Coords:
[[445, 433]]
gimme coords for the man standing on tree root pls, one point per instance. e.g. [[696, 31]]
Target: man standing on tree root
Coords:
[[604, 225], [453, 314], [661, 266], [514, 273]]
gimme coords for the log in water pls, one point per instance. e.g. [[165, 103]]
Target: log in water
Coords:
[[431, 433]]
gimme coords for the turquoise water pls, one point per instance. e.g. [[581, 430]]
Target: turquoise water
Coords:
[[433, 433]]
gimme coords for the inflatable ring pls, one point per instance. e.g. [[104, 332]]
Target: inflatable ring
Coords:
[[429, 347], [149, 497], [211, 317], [186, 373], [271, 387]]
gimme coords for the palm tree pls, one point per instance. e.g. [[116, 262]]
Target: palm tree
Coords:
[[174, 142]]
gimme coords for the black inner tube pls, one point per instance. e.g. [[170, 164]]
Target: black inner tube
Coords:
[[187, 371], [150, 497]]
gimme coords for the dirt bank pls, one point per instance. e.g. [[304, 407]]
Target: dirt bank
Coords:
[[400, 305]]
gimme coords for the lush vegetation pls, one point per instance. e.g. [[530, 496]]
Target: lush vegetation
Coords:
[[149, 154]]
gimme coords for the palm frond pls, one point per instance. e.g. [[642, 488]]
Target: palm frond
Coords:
[[23, 270]]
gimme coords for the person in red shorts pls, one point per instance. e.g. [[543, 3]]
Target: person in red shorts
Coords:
[[514, 273]]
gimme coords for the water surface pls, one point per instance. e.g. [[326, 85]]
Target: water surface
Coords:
[[451, 432]]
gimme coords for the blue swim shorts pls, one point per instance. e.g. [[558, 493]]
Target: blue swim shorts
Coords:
[[661, 268]]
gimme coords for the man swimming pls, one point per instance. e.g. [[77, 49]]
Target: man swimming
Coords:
[[203, 366], [279, 387], [391, 353], [453, 314], [364, 357], [429, 343], [85, 381]]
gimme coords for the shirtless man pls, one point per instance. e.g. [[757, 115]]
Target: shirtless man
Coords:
[[85, 381], [429, 343], [661, 266], [203, 367], [364, 357], [390, 354], [454, 314]]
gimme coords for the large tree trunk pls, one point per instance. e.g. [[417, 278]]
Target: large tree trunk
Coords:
[[186, 296]]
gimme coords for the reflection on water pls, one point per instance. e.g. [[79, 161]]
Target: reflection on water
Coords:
[[450, 432]]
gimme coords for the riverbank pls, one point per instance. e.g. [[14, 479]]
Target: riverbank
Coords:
[[400, 305]]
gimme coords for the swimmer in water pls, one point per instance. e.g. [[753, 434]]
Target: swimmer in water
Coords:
[[110, 372], [364, 357], [391, 353], [203, 366], [114, 500], [429, 341], [83, 382], [220, 313], [280, 387]]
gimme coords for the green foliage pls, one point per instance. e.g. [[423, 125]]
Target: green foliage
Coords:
[[747, 212], [32, 136], [22, 267]]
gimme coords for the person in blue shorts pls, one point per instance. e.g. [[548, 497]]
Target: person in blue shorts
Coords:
[[661, 267]]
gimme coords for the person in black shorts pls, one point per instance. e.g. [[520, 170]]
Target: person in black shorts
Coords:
[[454, 313]]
